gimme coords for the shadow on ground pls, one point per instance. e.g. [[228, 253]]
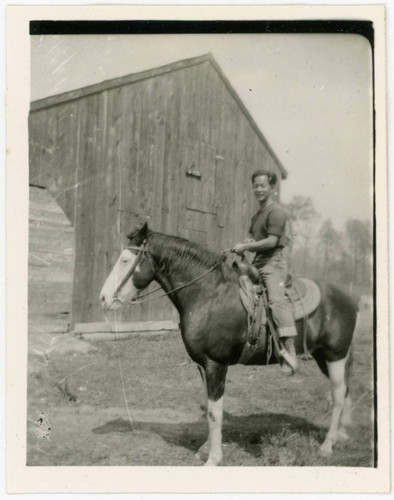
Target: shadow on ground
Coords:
[[248, 431]]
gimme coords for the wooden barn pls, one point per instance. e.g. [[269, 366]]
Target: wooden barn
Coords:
[[174, 145]]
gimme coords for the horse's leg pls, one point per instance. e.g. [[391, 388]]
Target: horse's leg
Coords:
[[346, 415], [336, 373], [203, 402], [322, 364], [216, 377], [321, 361], [203, 451]]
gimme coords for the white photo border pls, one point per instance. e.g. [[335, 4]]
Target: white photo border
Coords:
[[23, 479]]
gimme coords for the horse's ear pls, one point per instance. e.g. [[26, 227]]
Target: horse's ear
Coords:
[[139, 234], [143, 232]]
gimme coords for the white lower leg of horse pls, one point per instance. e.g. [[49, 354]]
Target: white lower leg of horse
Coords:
[[345, 419], [336, 371], [215, 417]]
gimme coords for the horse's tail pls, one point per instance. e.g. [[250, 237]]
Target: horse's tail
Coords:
[[348, 369], [347, 408]]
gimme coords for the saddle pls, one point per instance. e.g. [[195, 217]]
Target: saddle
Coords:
[[303, 296]]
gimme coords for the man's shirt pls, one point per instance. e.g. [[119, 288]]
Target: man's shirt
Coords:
[[269, 220]]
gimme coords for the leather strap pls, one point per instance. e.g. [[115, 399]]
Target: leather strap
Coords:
[[254, 329], [130, 272]]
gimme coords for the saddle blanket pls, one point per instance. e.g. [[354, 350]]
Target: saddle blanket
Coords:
[[303, 296]]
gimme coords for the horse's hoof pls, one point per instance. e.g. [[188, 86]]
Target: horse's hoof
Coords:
[[325, 451], [203, 452], [199, 457], [198, 461], [212, 463]]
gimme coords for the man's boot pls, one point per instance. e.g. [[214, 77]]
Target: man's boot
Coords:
[[287, 368]]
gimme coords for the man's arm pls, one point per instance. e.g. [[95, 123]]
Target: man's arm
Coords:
[[257, 246]]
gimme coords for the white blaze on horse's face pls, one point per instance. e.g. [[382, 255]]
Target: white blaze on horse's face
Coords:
[[108, 297]]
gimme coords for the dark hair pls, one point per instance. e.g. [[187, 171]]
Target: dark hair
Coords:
[[270, 176]]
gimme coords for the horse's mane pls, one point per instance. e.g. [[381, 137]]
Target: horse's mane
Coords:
[[178, 251]]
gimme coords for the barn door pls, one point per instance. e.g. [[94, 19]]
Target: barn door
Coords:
[[202, 194], [220, 192], [200, 178]]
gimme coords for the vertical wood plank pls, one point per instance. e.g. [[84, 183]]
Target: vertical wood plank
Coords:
[[78, 282]]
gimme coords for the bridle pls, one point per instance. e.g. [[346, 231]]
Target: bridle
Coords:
[[142, 250]]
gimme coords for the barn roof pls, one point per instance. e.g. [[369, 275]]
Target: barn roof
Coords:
[[144, 75]]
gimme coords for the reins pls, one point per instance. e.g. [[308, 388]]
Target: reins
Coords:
[[202, 275], [141, 251]]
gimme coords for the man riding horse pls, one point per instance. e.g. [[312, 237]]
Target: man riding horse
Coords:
[[268, 233]]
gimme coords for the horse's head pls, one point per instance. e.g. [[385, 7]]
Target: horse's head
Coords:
[[132, 272]]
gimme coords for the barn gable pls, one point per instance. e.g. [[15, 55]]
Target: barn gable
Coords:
[[174, 145], [67, 97]]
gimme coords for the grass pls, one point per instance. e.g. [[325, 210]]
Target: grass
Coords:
[[269, 420]]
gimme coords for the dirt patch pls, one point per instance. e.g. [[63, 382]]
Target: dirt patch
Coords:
[[77, 413]]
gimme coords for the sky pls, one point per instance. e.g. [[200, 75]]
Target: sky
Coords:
[[310, 95]]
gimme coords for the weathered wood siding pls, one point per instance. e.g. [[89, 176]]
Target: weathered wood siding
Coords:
[[51, 243], [174, 147]]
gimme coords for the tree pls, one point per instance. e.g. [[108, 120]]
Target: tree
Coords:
[[301, 208], [302, 221], [359, 239], [330, 244]]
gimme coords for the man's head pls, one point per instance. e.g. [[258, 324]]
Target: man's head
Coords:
[[263, 184], [271, 177]]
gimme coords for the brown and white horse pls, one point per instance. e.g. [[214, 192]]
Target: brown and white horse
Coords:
[[213, 322]]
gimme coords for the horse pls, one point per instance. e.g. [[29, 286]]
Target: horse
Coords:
[[213, 322]]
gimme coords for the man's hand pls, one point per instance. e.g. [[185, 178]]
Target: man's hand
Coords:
[[239, 248]]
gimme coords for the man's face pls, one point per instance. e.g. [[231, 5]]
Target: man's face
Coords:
[[261, 188]]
